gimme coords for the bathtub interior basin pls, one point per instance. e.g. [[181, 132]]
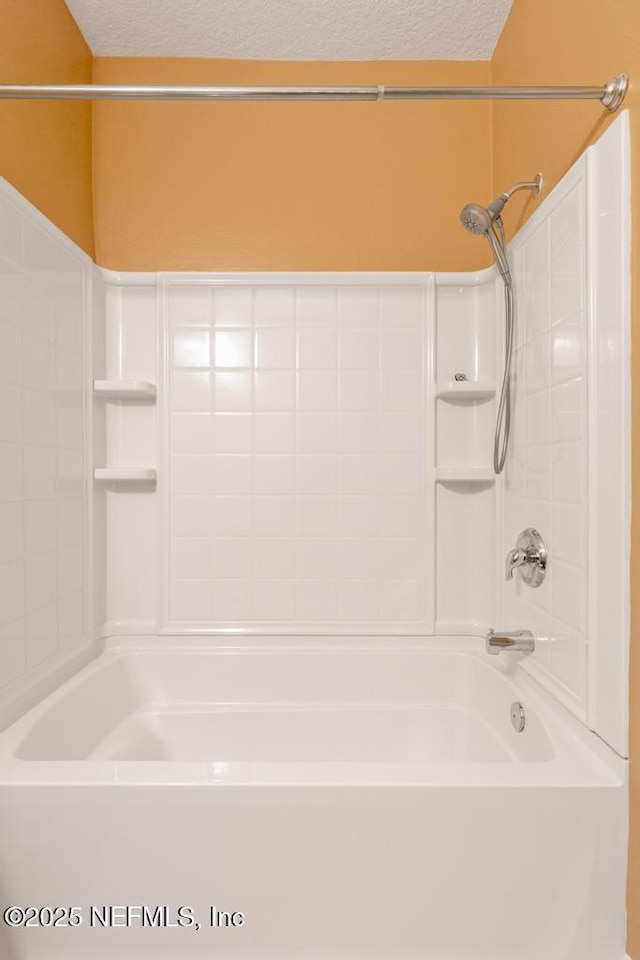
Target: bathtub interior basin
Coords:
[[283, 707], [260, 733]]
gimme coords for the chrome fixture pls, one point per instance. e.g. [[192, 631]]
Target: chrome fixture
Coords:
[[460, 377], [520, 641], [529, 557], [487, 221], [610, 94], [518, 718]]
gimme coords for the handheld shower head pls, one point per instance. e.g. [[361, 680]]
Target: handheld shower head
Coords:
[[479, 220], [485, 221], [476, 219]]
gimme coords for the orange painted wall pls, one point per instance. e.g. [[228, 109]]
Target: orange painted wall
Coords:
[[45, 147], [572, 43], [290, 186]]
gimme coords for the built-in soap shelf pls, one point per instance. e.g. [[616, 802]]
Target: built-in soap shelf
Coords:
[[140, 390], [462, 391], [125, 474], [127, 390], [465, 475]]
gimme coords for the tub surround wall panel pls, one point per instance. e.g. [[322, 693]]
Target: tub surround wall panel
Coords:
[[466, 517], [546, 475], [133, 343], [609, 184], [45, 289], [298, 455], [568, 470], [97, 446], [294, 437], [467, 332]]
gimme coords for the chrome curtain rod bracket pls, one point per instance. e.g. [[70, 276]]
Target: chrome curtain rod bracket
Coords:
[[614, 91], [610, 95]]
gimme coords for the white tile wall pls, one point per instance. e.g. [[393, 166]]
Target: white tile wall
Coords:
[[568, 470], [546, 473], [610, 380], [130, 334], [297, 454], [468, 318], [97, 443], [42, 491]]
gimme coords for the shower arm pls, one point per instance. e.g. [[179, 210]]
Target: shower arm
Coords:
[[534, 186], [495, 208]]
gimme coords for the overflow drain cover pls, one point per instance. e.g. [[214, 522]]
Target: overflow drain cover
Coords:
[[518, 718]]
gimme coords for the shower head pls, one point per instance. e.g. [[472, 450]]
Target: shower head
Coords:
[[482, 221], [479, 220], [476, 219]]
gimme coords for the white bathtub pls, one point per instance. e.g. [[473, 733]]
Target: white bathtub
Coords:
[[368, 800]]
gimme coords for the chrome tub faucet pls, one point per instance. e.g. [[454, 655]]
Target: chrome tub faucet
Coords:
[[520, 641]]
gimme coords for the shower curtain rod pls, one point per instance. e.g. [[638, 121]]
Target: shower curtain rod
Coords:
[[611, 94]]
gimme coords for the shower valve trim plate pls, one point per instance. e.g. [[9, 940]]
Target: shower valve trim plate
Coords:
[[529, 557]]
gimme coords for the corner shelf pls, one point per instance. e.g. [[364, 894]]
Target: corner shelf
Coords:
[[465, 475], [125, 389], [125, 474], [460, 391]]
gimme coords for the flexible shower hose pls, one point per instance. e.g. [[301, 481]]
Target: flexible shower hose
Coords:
[[503, 420]]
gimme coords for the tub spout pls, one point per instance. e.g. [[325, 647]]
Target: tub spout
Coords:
[[521, 641]]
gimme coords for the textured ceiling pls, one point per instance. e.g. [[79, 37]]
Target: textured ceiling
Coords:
[[293, 29]]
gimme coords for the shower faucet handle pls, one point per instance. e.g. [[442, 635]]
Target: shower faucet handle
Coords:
[[515, 558], [529, 556]]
